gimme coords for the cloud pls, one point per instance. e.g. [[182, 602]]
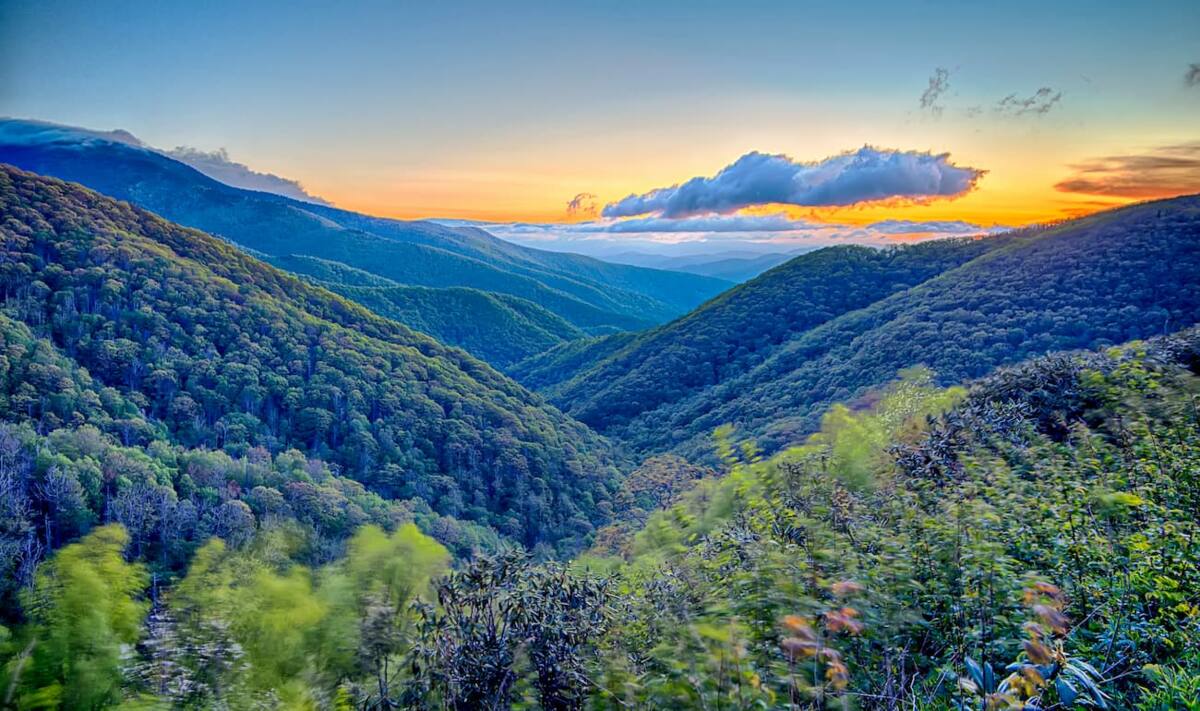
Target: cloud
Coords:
[[582, 204], [1163, 172], [941, 227], [218, 166], [939, 83], [215, 164], [702, 223], [866, 175], [707, 233], [1040, 102], [1192, 76]]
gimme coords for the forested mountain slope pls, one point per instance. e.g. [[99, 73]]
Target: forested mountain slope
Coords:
[[546, 372], [735, 332], [64, 469], [494, 327], [1105, 279], [588, 293], [223, 351], [1027, 541]]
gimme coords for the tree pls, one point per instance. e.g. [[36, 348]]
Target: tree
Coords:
[[85, 611]]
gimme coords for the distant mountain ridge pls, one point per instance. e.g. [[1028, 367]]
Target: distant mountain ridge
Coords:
[[595, 296], [734, 332], [771, 355], [735, 265]]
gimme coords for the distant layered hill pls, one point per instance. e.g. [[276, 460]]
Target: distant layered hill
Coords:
[[735, 266], [614, 379], [498, 328], [737, 269], [771, 355], [158, 330], [590, 294], [546, 372]]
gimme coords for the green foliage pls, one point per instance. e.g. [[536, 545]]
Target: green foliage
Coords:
[[280, 630], [941, 557], [1176, 686], [501, 624], [498, 328], [172, 499], [84, 613], [620, 379], [1027, 543], [188, 340]]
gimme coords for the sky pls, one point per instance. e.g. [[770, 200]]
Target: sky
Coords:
[[562, 122]]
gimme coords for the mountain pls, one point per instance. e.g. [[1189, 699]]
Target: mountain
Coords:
[[593, 295], [493, 327], [735, 269], [614, 379], [218, 350], [732, 265], [545, 372], [771, 355]]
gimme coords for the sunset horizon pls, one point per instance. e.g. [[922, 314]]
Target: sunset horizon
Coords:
[[1055, 129]]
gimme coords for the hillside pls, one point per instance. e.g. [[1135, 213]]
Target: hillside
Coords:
[[545, 372], [1027, 541], [493, 327], [75, 452], [1115, 276], [591, 294], [736, 269], [735, 332], [224, 352]]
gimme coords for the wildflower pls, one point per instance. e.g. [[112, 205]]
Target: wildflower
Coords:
[[845, 588], [837, 674], [1052, 618], [843, 620], [1038, 652]]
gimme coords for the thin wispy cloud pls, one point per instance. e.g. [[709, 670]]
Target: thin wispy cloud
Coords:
[[941, 227], [939, 83], [582, 204], [866, 175], [219, 166], [1163, 172], [1039, 103], [1191, 78], [29, 132], [777, 229], [701, 224]]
